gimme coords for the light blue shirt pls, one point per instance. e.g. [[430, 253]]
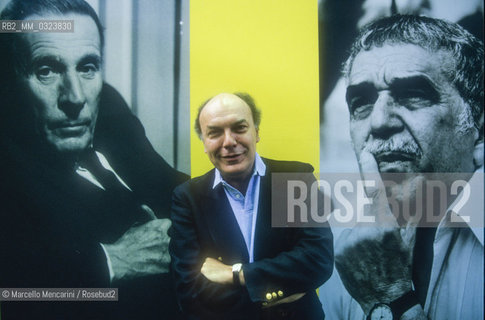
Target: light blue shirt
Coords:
[[245, 208]]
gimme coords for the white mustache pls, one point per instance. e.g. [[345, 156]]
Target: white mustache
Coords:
[[393, 145]]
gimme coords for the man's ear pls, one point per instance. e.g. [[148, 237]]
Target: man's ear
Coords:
[[479, 147], [478, 155], [257, 135]]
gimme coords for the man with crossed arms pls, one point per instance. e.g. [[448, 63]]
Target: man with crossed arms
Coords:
[[227, 261]]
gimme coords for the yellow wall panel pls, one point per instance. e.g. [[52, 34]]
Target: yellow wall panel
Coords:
[[268, 48]]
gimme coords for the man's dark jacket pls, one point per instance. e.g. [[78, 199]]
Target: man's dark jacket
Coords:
[[286, 260], [52, 221]]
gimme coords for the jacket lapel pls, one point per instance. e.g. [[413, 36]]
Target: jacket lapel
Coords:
[[263, 231], [222, 224]]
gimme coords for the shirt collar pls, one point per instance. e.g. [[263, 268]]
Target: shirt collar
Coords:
[[259, 169], [471, 212]]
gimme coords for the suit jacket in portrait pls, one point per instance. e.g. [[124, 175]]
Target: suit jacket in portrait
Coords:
[[52, 221], [286, 260]]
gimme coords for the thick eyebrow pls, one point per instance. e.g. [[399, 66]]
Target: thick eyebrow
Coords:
[[356, 90], [47, 60], [54, 61], [417, 83]]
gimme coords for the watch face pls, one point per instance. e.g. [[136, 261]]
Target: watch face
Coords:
[[381, 312]]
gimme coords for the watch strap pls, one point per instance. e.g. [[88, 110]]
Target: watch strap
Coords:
[[399, 306], [377, 305], [403, 304]]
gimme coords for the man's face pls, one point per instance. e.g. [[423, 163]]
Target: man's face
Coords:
[[63, 83], [406, 113], [229, 136]]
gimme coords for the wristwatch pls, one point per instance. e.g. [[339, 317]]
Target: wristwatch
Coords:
[[236, 268], [395, 309], [381, 311]]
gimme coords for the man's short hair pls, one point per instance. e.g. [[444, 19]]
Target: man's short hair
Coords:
[[255, 111], [431, 34]]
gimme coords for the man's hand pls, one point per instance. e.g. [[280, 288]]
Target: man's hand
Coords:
[[216, 271], [374, 265], [142, 250], [294, 297], [375, 262]]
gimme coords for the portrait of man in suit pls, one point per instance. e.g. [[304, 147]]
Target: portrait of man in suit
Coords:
[[82, 190], [227, 260]]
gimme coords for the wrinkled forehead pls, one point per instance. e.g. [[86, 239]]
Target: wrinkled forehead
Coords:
[[52, 14], [58, 46], [84, 27], [381, 65]]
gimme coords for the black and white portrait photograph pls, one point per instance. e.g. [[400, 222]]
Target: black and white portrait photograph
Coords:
[[401, 91]]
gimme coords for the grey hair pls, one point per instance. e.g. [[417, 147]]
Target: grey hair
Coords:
[[431, 34]]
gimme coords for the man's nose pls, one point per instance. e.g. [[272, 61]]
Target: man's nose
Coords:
[[72, 98], [229, 139], [384, 120]]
